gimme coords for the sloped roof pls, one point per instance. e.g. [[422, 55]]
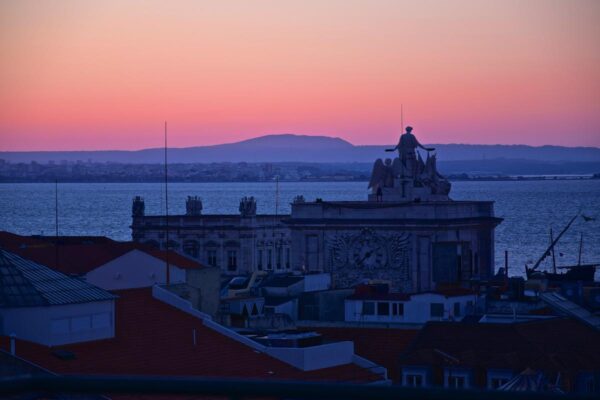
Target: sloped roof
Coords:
[[396, 296], [154, 338], [380, 345], [25, 283], [282, 281], [11, 366], [277, 301], [557, 344], [78, 255]]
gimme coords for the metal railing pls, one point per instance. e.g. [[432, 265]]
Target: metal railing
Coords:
[[43, 386]]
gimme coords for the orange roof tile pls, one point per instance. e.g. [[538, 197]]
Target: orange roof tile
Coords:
[[153, 338]]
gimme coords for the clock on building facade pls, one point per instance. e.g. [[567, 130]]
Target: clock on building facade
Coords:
[[369, 254]]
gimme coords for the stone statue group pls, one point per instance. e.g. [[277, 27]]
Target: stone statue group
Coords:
[[408, 173]]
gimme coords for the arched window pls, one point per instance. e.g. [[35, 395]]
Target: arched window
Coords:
[[191, 248]]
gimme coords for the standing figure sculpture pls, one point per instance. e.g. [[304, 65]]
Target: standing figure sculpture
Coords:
[[406, 147], [407, 177]]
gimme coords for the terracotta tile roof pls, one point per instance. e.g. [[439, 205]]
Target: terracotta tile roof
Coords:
[[407, 296], [383, 346], [174, 258], [78, 255], [381, 292], [557, 344], [452, 291], [153, 338], [380, 296]]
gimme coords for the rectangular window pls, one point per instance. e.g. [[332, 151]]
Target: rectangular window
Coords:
[[59, 326], [444, 262], [287, 258], [398, 309], [212, 258], [80, 324], [278, 258], [231, 260], [497, 378], [100, 321], [456, 382], [457, 309], [270, 259], [437, 310], [312, 253], [383, 308], [589, 385], [414, 380], [259, 263], [368, 308], [495, 383], [469, 308]]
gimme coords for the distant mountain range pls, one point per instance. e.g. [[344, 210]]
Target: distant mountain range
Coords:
[[312, 149]]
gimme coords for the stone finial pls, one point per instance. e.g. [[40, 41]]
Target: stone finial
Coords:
[[193, 205], [138, 207], [299, 199], [248, 206]]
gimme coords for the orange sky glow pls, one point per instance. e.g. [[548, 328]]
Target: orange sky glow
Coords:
[[88, 75]]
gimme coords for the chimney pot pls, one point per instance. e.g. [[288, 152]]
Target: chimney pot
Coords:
[[13, 350]]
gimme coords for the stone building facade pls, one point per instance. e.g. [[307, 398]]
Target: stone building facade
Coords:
[[238, 244], [414, 246], [408, 233]]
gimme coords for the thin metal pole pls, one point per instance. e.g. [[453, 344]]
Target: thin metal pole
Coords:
[[56, 255], [402, 117], [580, 249], [545, 254], [56, 209], [276, 195], [553, 255], [167, 209]]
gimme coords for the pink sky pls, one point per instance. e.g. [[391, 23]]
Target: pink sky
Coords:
[[84, 75]]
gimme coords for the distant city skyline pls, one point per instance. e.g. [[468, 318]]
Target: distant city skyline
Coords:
[[83, 75]]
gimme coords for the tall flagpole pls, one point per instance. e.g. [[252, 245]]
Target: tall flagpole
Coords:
[[56, 255], [402, 116], [167, 209]]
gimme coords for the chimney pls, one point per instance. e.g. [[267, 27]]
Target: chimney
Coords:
[[193, 206], [13, 350], [138, 208], [248, 207]]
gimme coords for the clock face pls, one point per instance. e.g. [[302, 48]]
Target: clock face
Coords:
[[369, 251]]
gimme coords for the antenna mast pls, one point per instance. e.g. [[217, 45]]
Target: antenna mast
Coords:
[[167, 209], [56, 222], [276, 195], [402, 116]]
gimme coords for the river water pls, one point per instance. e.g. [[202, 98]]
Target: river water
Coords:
[[529, 209]]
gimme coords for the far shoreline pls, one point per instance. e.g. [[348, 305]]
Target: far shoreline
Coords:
[[452, 178]]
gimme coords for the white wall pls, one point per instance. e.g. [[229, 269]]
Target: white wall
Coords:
[[315, 357], [290, 308], [417, 310], [56, 325], [316, 282], [135, 269]]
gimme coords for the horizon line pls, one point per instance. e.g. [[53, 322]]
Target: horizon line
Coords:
[[291, 134]]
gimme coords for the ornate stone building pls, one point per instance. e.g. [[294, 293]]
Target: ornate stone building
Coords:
[[408, 232]]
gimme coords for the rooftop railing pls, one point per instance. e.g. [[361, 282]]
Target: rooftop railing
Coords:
[[44, 386]]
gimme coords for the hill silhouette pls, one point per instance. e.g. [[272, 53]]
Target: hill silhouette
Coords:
[[303, 148]]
